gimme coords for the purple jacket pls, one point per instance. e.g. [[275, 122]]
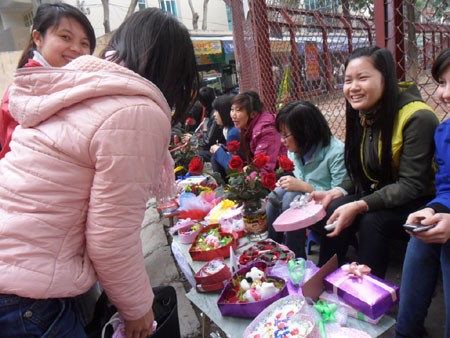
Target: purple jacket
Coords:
[[264, 138]]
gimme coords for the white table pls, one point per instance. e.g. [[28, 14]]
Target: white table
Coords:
[[234, 327]]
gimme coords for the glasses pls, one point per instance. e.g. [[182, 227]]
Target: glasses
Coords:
[[285, 137]]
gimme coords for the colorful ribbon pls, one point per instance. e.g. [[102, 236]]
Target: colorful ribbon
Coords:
[[326, 311], [356, 270]]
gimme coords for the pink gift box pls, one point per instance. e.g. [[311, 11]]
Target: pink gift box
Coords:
[[299, 217], [369, 294]]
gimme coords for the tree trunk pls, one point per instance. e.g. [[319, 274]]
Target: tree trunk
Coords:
[[131, 8], [205, 15], [105, 4], [195, 16]]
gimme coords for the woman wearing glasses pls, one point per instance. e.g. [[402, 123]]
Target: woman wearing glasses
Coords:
[[319, 165]]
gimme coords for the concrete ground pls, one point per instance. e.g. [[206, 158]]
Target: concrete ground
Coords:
[[163, 270]]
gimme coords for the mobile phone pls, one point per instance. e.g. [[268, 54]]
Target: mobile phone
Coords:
[[421, 228], [418, 228]]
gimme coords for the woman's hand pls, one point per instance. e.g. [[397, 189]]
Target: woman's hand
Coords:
[[140, 328], [214, 148], [344, 216], [418, 216], [290, 183], [325, 197], [440, 234]]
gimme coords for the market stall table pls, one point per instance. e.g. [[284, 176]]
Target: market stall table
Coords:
[[232, 326]]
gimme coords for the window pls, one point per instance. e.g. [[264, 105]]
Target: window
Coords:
[[169, 6], [28, 19], [142, 4]]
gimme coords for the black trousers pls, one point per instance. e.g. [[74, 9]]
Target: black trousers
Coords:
[[375, 230]]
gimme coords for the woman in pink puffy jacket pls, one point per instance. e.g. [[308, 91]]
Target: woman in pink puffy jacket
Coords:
[[91, 148]]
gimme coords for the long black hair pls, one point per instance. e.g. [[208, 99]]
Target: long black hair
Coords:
[[387, 112], [49, 16], [222, 104], [306, 124], [155, 45]]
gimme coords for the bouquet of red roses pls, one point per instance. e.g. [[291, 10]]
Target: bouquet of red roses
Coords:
[[248, 183]]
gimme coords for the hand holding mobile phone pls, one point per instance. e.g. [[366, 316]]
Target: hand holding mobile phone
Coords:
[[418, 228]]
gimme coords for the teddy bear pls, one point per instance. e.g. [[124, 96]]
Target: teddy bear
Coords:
[[252, 279]]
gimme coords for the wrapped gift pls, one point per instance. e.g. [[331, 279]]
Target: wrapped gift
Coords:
[[212, 243], [301, 214], [183, 183], [283, 318], [268, 251], [351, 311], [214, 271], [213, 276], [216, 212], [250, 291], [365, 292], [231, 221], [188, 233]]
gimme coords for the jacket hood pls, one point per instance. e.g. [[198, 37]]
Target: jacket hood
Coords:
[[38, 93], [408, 93]]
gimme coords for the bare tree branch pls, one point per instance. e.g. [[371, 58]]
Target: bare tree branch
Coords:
[[205, 15], [131, 8], [105, 4], [195, 16]]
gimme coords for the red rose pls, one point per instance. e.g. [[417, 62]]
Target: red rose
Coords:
[[190, 121], [269, 180], [285, 163], [260, 160], [233, 146], [236, 163], [196, 166]]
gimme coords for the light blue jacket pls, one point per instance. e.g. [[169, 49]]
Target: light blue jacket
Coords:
[[325, 169]]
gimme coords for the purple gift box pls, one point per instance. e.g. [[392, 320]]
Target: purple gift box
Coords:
[[369, 294], [230, 306]]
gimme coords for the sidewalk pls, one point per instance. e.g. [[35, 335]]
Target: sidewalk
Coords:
[[162, 270]]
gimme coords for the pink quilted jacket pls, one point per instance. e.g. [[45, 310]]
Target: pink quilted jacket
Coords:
[[91, 149]]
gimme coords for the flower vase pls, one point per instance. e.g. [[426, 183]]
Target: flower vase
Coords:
[[255, 220]]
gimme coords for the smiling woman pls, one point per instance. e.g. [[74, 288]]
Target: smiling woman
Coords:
[[257, 128], [388, 153], [60, 33]]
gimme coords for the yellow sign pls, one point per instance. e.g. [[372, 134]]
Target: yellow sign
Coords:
[[280, 46], [202, 47]]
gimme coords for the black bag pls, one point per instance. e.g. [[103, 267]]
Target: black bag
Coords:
[[164, 309]]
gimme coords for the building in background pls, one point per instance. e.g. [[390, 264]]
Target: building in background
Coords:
[[212, 38]]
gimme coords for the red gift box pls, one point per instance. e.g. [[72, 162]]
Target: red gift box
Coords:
[[211, 252], [268, 251], [213, 272], [211, 287]]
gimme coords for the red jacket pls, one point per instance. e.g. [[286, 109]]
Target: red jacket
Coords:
[[264, 138], [7, 122]]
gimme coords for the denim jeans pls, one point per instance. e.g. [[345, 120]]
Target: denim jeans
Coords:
[[46, 318], [279, 201], [420, 273]]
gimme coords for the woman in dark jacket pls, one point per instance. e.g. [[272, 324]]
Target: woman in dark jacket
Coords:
[[388, 155]]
